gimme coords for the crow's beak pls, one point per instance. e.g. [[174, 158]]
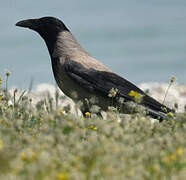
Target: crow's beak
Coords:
[[29, 23]]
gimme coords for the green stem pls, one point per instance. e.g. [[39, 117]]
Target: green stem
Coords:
[[166, 93]]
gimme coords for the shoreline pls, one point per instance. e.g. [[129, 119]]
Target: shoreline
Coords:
[[176, 94]]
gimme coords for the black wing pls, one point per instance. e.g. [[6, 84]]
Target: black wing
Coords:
[[102, 82]]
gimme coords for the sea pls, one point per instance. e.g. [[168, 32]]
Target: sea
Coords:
[[141, 40]]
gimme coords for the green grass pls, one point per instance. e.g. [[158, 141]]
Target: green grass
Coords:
[[46, 143]]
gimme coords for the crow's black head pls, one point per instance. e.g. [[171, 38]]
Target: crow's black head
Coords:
[[47, 27], [44, 25]]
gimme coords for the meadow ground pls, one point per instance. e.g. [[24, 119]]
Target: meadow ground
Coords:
[[46, 141]]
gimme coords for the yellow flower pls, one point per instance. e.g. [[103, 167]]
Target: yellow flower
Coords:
[[87, 114], [173, 157], [62, 176], [170, 115], [0, 81], [134, 94], [167, 161], [137, 96], [23, 157], [1, 144], [15, 171], [180, 151], [93, 128], [34, 139], [41, 119], [116, 149], [1, 97], [29, 156]]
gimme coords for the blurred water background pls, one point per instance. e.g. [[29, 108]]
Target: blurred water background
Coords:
[[142, 40]]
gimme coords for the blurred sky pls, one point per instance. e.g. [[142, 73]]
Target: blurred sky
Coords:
[[141, 40]]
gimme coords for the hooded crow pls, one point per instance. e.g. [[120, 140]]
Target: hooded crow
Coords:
[[80, 76]]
